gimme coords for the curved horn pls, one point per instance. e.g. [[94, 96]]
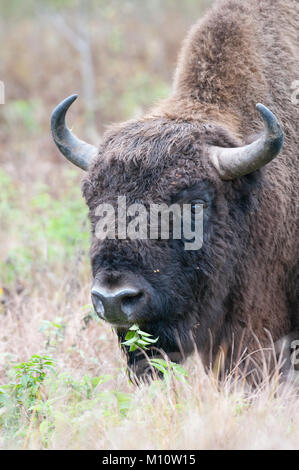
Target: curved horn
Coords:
[[75, 150], [235, 162]]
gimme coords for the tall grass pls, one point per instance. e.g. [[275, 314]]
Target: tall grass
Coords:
[[85, 401]]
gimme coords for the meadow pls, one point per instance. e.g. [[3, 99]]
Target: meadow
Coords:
[[63, 380]]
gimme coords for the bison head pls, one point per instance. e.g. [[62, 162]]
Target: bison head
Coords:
[[179, 295]]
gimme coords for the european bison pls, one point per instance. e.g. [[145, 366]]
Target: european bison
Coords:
[[206, 145]]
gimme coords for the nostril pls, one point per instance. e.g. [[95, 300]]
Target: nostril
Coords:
[[131, 302], [97, 303]]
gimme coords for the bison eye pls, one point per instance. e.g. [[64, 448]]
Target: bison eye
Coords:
[[196, 205]]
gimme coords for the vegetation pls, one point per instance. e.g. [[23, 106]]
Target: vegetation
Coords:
[[136, 338], [63, 381]]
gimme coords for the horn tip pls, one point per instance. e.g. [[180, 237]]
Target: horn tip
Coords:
[[270, 120], [60, 110], [263, 109], [69, 100], [266, 113], [73, 97]]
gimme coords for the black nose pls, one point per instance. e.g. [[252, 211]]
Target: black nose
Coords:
[[119, 305]]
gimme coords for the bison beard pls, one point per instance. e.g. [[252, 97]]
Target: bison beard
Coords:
[[206, 143]]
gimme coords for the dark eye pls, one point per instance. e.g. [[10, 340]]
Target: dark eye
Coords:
[[197, 205]]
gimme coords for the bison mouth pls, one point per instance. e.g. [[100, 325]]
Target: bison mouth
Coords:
[[127, 299], [173, 342], [168, 347]]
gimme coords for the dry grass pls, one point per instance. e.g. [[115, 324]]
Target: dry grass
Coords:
[[197, 413]]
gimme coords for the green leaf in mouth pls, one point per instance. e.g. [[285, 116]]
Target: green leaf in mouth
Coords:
[[136, 338]]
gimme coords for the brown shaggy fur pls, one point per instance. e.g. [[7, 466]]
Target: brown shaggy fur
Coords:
[[244, 283]]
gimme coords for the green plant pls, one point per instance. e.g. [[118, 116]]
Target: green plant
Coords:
[[168, 368], [28, 379], [136, 338]]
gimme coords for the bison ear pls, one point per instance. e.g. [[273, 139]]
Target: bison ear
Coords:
[[235, 162], [75, 150]]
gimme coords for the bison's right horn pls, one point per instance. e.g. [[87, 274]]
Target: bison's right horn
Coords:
[[239, 161], [75, 150]]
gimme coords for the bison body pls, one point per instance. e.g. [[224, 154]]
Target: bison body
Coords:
[[241, 287]]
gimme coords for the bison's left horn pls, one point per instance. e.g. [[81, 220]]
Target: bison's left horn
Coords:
[[75, 150], [239, 161]]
